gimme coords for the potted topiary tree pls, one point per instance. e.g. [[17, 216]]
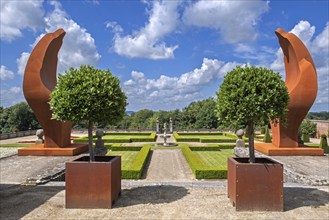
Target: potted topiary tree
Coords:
[[94, 95], [249, 96]]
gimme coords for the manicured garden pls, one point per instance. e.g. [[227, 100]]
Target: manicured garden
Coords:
[[133, 159], [207, 162], [209, 137], [124, 137]]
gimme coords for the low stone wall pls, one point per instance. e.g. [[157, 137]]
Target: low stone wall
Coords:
[[17, 134], [322, 127]]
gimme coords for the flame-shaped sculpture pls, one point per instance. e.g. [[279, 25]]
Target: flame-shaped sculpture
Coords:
[[39, 80], [302, 84]]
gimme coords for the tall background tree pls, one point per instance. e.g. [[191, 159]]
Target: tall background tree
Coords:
[[88, 94], [249, 96], [19, 117]]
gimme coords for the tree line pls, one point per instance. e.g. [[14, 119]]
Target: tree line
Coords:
[[197, 115]]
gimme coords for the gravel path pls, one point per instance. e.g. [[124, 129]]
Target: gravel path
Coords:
[[8, 151], [168, 165]]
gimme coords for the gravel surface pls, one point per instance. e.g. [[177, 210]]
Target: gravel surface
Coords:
[[158, 202], [8, 151], [169, 165], [169, 191]]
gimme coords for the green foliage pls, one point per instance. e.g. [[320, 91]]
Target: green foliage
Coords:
[[118, 137], [262, 129], [250, 96], [19, 117], [267, 136], [215, 137], [200, 114], [308, 128], [141, 119], [305, 138], [134, 169], [324, 143], [202, 171], [318, 115], [88, 94]]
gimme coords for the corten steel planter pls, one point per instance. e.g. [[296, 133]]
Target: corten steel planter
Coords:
[[255, 186], [92, 184]]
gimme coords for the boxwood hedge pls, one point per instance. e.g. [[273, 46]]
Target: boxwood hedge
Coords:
[[135, 170], [199, 170], [198, 137], [122, 137]]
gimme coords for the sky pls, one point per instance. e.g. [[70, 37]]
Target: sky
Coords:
[[166, 54]]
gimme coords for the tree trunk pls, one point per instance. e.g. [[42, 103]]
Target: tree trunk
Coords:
[[251, 142], [90, 141]]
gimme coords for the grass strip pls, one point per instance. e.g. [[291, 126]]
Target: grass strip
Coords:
[[134, 160], [202, 169]]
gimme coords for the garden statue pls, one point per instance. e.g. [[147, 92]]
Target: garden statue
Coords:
[[100, 149], [157, 129], [39, 81], [39, 134], [240, 142], [171, 126]]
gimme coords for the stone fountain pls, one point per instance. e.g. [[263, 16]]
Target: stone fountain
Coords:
[[165, 136]]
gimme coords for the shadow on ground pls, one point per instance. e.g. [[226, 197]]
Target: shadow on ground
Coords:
[[150, 195], [297, 197], [16, 201]]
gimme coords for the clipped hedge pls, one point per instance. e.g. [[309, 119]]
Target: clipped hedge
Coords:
[[144, 137], [205, 148], [201, 171], [197, 137], [129, 133], [217, 140], [135, 170], [126, 148]]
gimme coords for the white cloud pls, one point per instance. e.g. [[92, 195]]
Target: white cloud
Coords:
[[5, 73], [78, 45], [21, 62], [170, 92], [147, 42], [19, 15], [319, 50], [235, 20], [11, 96]]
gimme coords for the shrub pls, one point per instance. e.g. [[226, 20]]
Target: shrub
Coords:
[[308, 128], [201, 171], [324, 143], [305, 138], [267, 137], [135, 170], [262, 130]]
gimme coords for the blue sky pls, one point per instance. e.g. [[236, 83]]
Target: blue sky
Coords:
[[165, 53]]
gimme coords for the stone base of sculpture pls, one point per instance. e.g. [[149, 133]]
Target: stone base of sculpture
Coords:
[[41, 150], [272, 150]]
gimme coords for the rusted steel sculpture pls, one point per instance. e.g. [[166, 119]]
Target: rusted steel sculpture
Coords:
[[39, 80], [302, 85]]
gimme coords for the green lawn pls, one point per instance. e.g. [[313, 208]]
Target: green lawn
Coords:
[[17, 145], [127, 157], [122, 137], [214, 158]]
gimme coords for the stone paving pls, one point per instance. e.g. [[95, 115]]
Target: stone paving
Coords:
[[163, 194]]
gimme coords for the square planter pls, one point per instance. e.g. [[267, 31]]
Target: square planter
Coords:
[[255, 186], [92, 184]]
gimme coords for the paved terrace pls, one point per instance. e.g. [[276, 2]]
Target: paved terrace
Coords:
[[168, 190]]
